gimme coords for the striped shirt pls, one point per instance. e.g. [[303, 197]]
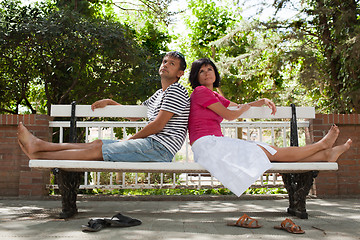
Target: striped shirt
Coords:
[[174, 99]]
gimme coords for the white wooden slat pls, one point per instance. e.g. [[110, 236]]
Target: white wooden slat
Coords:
[[108, 111], [96, 166], [140, 111], [104, 124], [282, 112], [61, 137], [224, 124], [264, 124]]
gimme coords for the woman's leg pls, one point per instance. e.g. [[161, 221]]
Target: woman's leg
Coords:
[[36, 148], [329, 155], [326, 155], [295, 154]]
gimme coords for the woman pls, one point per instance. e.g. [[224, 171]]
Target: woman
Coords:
[[235, 162]]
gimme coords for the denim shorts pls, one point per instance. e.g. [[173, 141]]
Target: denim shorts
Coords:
[[135, 150]]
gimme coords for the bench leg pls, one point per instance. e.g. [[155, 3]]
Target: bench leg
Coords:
[[298, 186], [68, 183]]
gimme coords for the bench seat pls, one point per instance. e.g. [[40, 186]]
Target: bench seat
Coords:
[[174, 167]]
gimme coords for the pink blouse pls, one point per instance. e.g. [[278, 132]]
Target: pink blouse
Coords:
[[203, 121]]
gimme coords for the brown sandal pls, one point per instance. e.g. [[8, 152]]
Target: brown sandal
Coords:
[[290, 226], [246, 222]]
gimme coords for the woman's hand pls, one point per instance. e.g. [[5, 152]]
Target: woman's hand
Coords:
[[270, 104], [265, 101], [103, 103]]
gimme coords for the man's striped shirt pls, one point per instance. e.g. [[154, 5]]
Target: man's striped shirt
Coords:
[[174, 99]]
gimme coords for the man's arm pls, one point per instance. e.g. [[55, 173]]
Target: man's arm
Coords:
[[103, 103], [155, 126]]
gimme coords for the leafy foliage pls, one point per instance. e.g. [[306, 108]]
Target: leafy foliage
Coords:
[[310, 59], [210, 22], [64, 56], [328, 33]]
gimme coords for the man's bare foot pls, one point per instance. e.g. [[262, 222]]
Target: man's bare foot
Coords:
[[335, 152], [29, 143], [329, 139], [23, 149]]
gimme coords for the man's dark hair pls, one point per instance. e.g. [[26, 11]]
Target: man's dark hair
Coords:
[[179, 56], [194, 72]]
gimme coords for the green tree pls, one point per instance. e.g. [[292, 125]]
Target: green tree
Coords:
[[254, 64], [207, 23], [329, 35], [17, 67], [243, 54], [65, 56], [309, 59]]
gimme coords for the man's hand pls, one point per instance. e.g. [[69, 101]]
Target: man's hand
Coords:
[[103, 103]]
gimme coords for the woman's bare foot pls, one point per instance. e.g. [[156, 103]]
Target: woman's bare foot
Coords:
[[335, 152], [29, 143], [329, 139]]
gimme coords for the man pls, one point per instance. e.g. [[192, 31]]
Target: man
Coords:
[[168, 111]]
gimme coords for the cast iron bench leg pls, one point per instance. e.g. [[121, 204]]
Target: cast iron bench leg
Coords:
[[68, 183], [298, 186]]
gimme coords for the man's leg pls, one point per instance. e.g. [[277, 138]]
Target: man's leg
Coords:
[[36, 148], [68, 182]]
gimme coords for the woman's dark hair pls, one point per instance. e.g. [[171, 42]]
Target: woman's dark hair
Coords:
[[195, 68]]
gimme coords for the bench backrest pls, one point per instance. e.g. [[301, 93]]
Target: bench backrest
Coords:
[[140, 111], [249, 130]]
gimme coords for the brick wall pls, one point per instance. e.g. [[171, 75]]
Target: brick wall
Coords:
[[16, 178], [345, 181]]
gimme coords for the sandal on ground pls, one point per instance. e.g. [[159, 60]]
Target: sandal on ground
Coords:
[[95, 225], [290, 226], [246, 222], [120, 220]]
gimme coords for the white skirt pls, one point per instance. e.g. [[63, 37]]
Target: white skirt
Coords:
[[236, 163]]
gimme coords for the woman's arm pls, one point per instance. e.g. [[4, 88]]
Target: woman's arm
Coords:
[[232, 104], [234, 114], [226, 113], [264, 101]]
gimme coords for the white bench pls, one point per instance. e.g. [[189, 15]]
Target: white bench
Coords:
[[300, 173]]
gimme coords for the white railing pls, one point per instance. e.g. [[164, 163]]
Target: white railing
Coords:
[[274, 133]]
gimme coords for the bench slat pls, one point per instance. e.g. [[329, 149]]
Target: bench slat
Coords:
[[226, 124], [178, 167], [282, 112], [109, 111], [140, 111]]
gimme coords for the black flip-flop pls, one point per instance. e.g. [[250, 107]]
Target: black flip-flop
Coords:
[[95, 225], [120, 220]]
